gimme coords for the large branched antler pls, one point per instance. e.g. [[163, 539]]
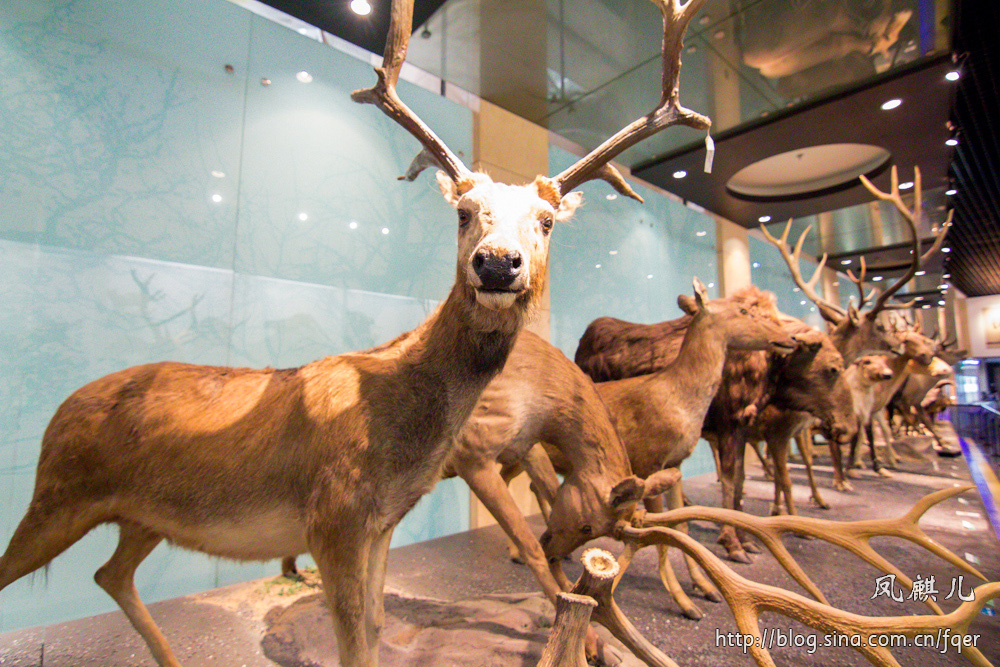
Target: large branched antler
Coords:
[[830, 311], [383, 95], [748, 599], [676, 17], [852, 535]]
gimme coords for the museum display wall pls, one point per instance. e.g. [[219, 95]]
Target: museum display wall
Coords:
[[192, 182]]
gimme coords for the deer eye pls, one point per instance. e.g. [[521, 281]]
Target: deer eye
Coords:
[[744, 311], [586, 529], [546, 222], [463, 217]]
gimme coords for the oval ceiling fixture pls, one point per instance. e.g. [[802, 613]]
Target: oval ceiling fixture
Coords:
[[807, 170]]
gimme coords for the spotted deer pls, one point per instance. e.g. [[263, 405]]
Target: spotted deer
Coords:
[[326, 458]]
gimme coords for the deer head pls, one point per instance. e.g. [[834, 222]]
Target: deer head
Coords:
[[812, 380], [504, 229], [856, 329], [742, 326], [873, 368], [584, 510]]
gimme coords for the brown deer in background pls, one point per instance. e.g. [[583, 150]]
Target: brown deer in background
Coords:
[[660, 416], [612, 348], [326, 458]]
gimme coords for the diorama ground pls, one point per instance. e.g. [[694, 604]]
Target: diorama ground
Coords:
[[459, 600]]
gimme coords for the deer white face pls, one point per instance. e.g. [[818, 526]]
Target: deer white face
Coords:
[[503, 235]]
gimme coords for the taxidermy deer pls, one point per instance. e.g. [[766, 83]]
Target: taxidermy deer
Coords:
[[612, 349], [326, 458], [660, 416]]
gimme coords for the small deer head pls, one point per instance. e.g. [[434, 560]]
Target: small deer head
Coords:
[[585, 509], [873, 368], [746, 323]]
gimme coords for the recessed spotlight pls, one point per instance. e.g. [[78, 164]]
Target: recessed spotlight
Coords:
[[597, 266], [711, 285], [756, 265], [218, 174], [217, 198], [649, 277], [702, 233], [612, 252], [941, 303], [611, 197], [304, 77], [891, 104], [876, 279], [353, 225], [845, 262], [361, 7], [802, 303], [836, 283], [946, 249], [796, 289], [764, 218], [303, 216], [906, 186], [953, 75], [951, 142], [942, 286], [680, 173], [946, 276], [951, 192], [920, 272], [926, 305], [385, 230]]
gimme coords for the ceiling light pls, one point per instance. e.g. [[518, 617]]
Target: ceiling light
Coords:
[[926, 305], [953, 75], [946, 276], [942, 286], [680, 173], [845, 262], [711, 285], [611, 197], [796, 289], [906, 186], [361, 7], [612, 252], [876, 279], [597, 266], [941, 303], [756, 265], [951, 193], [218, 174], [702, 233], [764, 218], [951, 142], [353, 225], [946, 249], [891, 104], [304, 76], [920, 272], [836, 283], [217, 198], [303, 216], [802, 303], [649, 277], [385, 230]]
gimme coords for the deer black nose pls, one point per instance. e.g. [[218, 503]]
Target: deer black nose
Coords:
[[497, 271]]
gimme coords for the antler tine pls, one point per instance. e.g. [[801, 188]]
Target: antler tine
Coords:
[[900, 306], [830, 311], [676, 16], [859, 281], [910, 216], [748, 599], [383, 95], [852, 536]]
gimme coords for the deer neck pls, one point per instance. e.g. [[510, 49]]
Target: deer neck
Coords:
[[697, 370]]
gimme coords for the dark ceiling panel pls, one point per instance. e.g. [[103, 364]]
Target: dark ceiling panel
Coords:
[[974, 263], [336, 18], [913, 133]]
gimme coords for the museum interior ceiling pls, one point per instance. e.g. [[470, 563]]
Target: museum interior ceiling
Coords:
[[804, 96]]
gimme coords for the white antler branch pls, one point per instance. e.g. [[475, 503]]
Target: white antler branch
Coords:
[[383, 95], [676, 16], [830, 311]]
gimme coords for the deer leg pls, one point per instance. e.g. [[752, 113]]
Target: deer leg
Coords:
[[489, 487], [378, 558], [886, 429], [738, 479], [667, 574], [698, 578], [116, 577], [343, 563], [508, 473], [544, 482], [730, 456], [840, 481], [778, 447], [768, 472], [852, 461], [876, 466], [804, 440]]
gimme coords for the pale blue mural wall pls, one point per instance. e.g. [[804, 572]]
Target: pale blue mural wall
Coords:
[[156, 206], [770, 272], [628, 260]]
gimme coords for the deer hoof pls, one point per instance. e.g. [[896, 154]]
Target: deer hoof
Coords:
[[751, 547], [692, 612], [884, 473], [853, 474], [844, 486], [599, 653], [740, 556], [820, 503], [712, 596]]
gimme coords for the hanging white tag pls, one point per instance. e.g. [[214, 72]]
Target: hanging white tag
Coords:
[[709, 153]]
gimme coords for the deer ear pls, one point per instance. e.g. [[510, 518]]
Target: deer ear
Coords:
[[700, 293], [449, 188], [627, 491], [661, 481], [568, 206], [687, 304]]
